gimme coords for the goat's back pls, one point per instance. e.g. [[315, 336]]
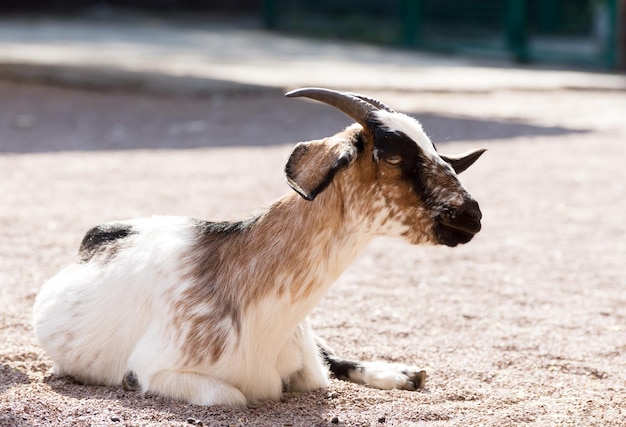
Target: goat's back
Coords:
[[90, 316]]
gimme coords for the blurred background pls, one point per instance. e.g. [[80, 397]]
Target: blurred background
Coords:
[[124, 109], [224, 51], [580, 32]]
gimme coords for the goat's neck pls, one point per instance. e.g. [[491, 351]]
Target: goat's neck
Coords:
[[305, 245], [279, 264]]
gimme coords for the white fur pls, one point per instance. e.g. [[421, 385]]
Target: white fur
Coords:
[[395, 122], [388, 376], [88, 309]]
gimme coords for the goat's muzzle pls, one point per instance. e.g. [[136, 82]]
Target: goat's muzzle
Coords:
[[458, 225]]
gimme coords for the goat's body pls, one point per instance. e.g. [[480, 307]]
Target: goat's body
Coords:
[[143, 300], [215, 313]]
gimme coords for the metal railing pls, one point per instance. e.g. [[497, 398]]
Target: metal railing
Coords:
[[565, 31]]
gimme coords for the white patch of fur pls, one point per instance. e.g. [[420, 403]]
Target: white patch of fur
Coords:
[[313, 373], [398, 122], [388, 376], [89, 309], [270, 353]]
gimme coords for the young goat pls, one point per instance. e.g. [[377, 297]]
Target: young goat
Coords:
[[215, 313]]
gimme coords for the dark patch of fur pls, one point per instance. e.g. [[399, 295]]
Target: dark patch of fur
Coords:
[[130, 381], [339, 164], [211, 230], [413, 165], [104, 240], [341, 369]]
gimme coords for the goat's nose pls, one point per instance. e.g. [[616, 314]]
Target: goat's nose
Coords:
[[460, 223], [471, 209], [468, 216]]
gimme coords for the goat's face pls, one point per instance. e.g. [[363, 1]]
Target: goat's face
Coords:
[[421, 191], [396, 177]]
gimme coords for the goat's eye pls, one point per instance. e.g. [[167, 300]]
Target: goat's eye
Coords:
[[394, 159]]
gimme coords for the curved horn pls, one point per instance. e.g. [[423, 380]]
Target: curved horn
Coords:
[[375, 102], [463, 161], [356, 108]]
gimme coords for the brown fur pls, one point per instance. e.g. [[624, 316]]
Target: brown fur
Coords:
[[294, 246], [312, 165], [248, 261]]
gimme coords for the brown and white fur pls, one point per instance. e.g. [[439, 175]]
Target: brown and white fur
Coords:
[[216, 313]]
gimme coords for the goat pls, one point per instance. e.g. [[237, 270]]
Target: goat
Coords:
[[215, 313]]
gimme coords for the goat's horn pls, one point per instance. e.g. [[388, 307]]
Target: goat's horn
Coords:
[[354, 107], [375, 102]]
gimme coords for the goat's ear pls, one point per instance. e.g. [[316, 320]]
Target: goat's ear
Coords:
[[463, 161], [313, 164]]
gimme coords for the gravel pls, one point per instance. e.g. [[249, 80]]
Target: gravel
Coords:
[[523, 326]]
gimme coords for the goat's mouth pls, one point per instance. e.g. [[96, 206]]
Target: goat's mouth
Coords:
[[451, 235], [455, 231]]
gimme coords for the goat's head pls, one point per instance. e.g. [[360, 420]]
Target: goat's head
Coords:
[[393, 172]]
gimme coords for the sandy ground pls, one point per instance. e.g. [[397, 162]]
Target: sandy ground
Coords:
[[526, 325]]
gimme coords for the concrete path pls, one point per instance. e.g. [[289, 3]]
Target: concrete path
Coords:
[[206, 56]]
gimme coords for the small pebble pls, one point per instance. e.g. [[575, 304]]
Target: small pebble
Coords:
[[382, 420], [335, 420], [115, 419]]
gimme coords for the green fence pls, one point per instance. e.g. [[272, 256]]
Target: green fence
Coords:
[[566, 31]]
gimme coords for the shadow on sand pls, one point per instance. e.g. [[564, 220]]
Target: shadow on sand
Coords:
[[43, 118], [307, 408], [10, 376]]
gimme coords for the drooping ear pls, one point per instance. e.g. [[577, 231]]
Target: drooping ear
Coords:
[[313, 164], [463, 161]]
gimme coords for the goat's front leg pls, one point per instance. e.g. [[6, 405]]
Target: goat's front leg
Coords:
[[380, 375], [312, 373], [195, 389]]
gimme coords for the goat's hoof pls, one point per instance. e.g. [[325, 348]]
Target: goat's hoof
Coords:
[[130, 381], [416, 380]]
